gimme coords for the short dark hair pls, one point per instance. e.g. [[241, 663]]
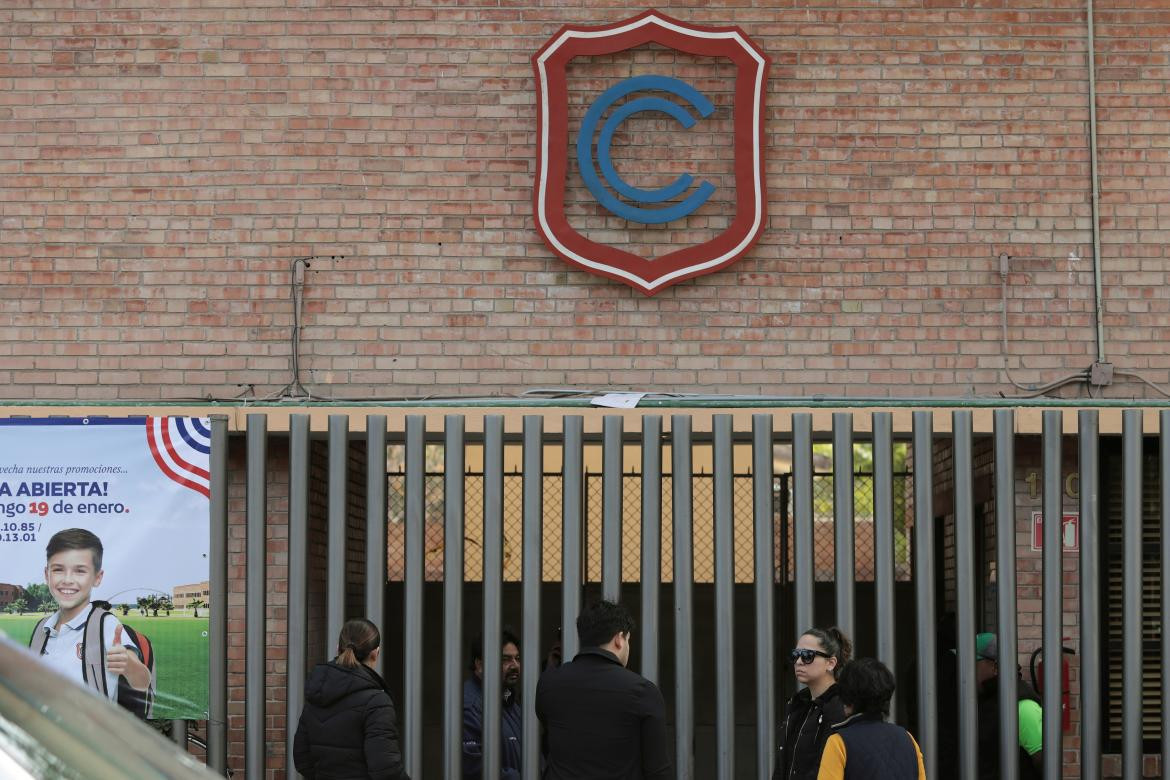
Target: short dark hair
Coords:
[[76, 539], [598, 624], [866, 685], [507, 636]]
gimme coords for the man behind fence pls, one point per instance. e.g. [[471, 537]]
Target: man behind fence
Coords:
[[987, 671], [511, 719], [601, 720]]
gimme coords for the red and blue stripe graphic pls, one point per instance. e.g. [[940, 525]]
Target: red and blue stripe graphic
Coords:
[[181, 447]]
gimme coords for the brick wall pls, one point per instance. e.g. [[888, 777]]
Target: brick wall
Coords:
[[160, 168]]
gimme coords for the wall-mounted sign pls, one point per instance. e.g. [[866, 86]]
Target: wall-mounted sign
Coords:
[[575, 150], [105, 534], [1070, 531]]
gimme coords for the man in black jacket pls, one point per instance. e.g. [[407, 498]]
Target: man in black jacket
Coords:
[[601, 719]]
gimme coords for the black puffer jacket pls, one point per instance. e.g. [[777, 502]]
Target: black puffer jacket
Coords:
[[806, 728], [348, 729]]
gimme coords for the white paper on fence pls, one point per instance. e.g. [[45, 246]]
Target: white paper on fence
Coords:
[[618, 400]]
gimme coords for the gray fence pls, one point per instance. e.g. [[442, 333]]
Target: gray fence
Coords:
[[782, 583]]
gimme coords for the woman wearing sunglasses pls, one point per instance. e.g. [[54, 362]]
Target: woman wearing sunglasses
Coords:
[[816, 661]]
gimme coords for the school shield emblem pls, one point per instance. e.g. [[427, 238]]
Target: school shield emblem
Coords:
[[650, 148]]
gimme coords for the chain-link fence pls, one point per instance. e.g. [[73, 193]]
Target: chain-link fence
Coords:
[[702, 512]]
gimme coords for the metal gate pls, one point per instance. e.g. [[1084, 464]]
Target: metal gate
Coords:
[[671, 453]]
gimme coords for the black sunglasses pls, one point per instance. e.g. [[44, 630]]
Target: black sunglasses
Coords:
[[806, 655]]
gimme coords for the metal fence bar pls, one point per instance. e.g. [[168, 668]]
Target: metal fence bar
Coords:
[[218, 598], [1005, 570], [651, 542], [802, 526], [1053, 508], [611, 508], [843, 543], [883, 537], [254, 596], [533, 563], [572, 549], [179, 733], [376, 523], [763, 524], [684, 573], [336, 565], [924, 605], [453, 531], [1090, 648], [724, 522], [298, 575], [965, 592], [1131, 708], [412, 629], [493, 576], [1164, 482]]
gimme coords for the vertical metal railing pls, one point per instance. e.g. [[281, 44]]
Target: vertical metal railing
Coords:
[[1164, 571], [375, 590], [493, 597], [533, 576], [883, 531], [684, 562], [255, 594], [1132, 651], [453, 530], [572, 506], [651, 543], [337, 534], [843, 547], [965, 592], [1005, 571], [611, 511], [804, 567], [1053, 513], [924, 597], [966, 464], [724, 521], [298, 575], [1090, 594], [412, 688], [217, 747], [763, 523]]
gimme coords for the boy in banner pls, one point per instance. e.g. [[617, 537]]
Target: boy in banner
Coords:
[[86, 641]]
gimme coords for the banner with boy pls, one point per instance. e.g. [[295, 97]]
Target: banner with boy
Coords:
[[104, 541]]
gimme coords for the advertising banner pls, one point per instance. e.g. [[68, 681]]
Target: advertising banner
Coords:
[[112, 512]]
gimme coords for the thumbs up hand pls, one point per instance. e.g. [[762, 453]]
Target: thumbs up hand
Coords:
[[118, 657], [123, 661]]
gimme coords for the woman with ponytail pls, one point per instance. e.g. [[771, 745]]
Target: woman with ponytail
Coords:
[[817, 659], [348, 728]]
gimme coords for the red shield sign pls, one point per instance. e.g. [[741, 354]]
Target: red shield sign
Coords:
[[738, 211]]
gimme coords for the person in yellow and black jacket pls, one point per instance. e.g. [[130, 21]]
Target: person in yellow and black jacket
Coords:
[[864, 746]]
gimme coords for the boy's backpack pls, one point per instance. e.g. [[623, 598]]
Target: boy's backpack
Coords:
[[93, 653]]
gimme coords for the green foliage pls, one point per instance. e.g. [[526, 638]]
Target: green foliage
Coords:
[[39, 598]]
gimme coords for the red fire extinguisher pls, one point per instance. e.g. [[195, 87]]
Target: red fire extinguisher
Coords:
[[1036, 667]]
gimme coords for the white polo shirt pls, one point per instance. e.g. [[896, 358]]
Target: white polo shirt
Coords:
[[63, 648]]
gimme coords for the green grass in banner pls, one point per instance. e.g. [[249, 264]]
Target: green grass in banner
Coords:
[[181, 658], [18, 628]]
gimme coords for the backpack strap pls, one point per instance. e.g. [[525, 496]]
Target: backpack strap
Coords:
[[40, 636], [93, 650]]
